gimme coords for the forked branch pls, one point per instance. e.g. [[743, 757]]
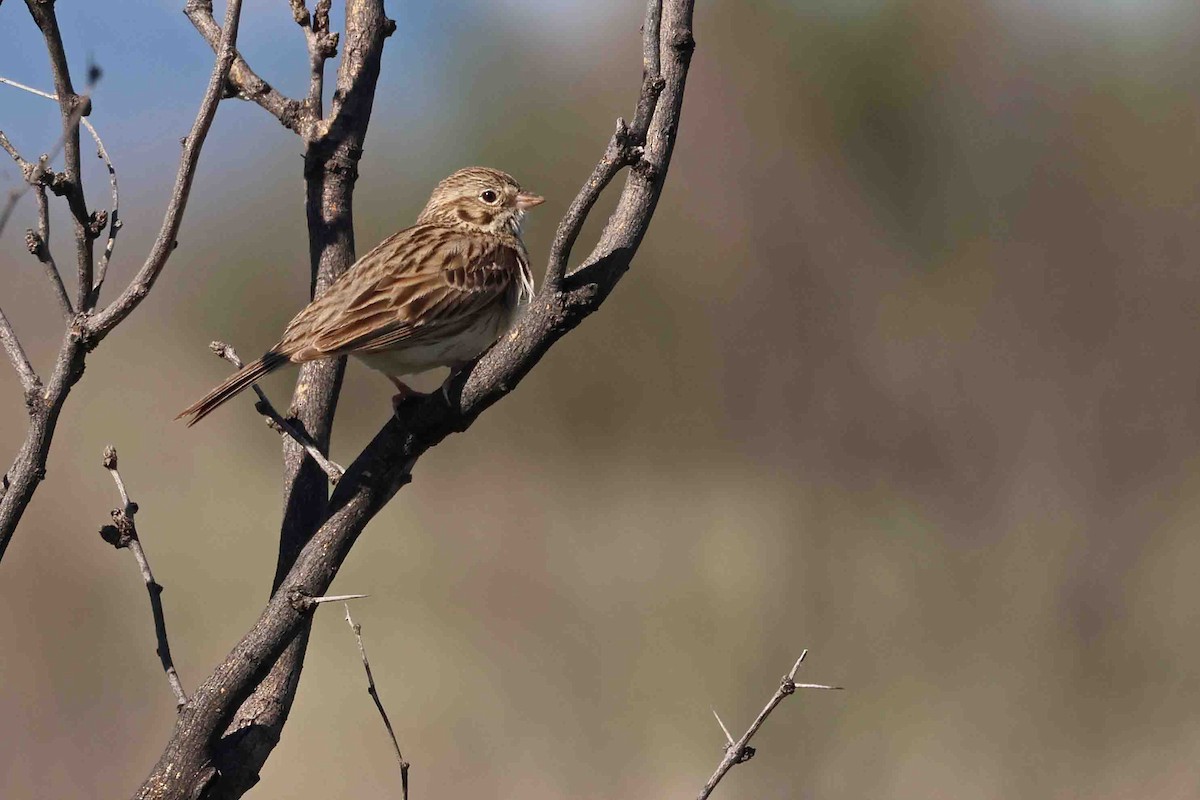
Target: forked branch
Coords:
[[384, 465], [86, 330]]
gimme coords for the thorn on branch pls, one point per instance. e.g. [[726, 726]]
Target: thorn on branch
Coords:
[[740, 751]]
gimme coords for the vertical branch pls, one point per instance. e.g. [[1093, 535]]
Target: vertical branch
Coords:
[[72, 108], [38, 244]]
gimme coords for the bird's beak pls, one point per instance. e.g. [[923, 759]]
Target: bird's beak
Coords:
[[527, 200]]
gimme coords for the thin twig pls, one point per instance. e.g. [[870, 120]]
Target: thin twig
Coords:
[[35, 174], [740, 752], [38, 243], [114, 219], [123, 534], [620, 153], [322, 45], [16, 354], [72, 108], [362, 651], [277, 421], [116, 311], [246, 84]]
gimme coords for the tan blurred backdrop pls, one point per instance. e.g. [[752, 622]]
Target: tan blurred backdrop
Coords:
[[905, 373]]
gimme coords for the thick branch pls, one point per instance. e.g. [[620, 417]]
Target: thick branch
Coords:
[[334, 147], [123, 534], [385, 465], [243, 81]]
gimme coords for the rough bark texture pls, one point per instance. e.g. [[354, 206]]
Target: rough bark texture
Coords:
[[254, 685]]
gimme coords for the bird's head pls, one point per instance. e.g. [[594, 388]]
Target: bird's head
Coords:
[[477, 197]]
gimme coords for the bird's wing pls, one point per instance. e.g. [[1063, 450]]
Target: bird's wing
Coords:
[[426, 282]]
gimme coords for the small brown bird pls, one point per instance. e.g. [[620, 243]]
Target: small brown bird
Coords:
[[434, 295]]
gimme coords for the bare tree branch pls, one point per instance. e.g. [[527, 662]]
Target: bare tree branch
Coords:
[[84, 331], [104, 321], [192, 763], [72, 108], [277, 421], [371, 690], [245, 84], [38, 243], [114, 217], [38, 176], [95, 223], [740, 752], [123, 534], [16, 354], [322, 45]]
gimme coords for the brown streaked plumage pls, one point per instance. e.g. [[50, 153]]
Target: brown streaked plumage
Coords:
[[434, 295]]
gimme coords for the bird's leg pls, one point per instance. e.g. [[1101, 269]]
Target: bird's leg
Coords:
[[404, 393], [456, 367]]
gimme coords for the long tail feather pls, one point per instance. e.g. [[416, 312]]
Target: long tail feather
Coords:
[[236, 383]]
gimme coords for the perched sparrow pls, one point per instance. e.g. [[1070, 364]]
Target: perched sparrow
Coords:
[[434, 295]]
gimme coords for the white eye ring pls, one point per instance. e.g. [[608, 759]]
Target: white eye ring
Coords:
[[489, 196]]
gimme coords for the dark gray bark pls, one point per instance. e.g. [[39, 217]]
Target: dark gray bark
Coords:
[[255, 684]]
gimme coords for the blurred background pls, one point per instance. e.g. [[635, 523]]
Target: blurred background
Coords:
[[905, 373]]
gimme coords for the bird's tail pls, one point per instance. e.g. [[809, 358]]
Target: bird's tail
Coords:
[[236, 382]]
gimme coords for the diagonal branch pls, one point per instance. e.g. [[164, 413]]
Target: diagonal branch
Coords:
[[243, 81], [187, 765], [371, 690], [84, 332], [95, 225], [122, 534], [16, 354], [104, 321], [277, 421], [37, 242], [740, 751]]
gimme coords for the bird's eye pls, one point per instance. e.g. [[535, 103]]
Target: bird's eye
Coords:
[[488, 196]]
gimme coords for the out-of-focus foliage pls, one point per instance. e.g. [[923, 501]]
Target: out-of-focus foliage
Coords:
[[905, 374]]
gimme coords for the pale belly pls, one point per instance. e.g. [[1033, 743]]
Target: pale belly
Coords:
[[456, 350]]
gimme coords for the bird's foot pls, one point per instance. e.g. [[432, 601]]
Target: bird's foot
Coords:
[[405, 395], [456, 368]]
